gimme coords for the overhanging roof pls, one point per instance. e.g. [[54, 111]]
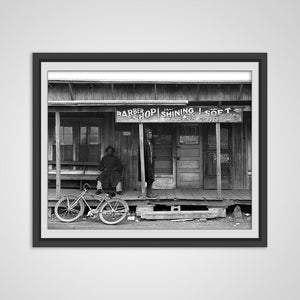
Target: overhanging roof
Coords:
[[115, 102]]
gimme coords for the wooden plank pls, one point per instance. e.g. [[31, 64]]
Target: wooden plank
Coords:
[[189, 152], [201, 169], [225, 194], [170, 194], [187, 193], [142, 159], [189, 164], [58, 158], [212, 195], [197, 194], [74, 163], [189, 177], [170, 215], [73, 176], [218, 144], [179, 194], [131, 195], [72, 95]]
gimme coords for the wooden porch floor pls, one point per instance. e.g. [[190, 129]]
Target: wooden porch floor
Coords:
[[175, 194]]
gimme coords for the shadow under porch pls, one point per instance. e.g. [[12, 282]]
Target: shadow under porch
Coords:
[[171, 197]]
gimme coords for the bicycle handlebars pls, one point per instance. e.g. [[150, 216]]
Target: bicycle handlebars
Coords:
[[86, 185]]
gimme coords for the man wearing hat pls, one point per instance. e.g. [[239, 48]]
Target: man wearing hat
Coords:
[[149, 163], [111, 172]]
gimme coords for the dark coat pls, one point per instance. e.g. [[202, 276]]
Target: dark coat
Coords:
[[111, 171], [149, 167]]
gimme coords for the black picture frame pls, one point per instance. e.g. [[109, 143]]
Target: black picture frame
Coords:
[[39, 58]]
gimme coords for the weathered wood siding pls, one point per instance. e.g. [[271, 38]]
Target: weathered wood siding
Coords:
[[241, 165], [191, 92], [127, 144]]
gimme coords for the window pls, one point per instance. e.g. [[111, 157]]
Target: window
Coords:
[[89, 148], [66, 144], [80, 141], [189, 134], [210, 150]]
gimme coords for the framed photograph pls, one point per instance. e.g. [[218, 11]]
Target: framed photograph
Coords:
[[149, 149]]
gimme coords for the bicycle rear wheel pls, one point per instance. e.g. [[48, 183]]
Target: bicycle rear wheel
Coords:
[[113, 211], [67, 210]]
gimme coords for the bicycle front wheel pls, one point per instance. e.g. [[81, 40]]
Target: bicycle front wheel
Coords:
[[68, 209], [113, 211]]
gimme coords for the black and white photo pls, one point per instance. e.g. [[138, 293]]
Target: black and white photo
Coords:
[[142, 149]]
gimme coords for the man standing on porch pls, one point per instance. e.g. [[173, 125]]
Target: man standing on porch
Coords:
[[149, 163]]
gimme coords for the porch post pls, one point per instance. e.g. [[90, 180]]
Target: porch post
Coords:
[[58, 159], [142, 159], [218, 143]]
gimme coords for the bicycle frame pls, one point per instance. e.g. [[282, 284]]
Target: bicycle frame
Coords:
[[81, 197]]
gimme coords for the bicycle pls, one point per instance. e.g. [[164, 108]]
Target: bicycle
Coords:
[[110, 210]]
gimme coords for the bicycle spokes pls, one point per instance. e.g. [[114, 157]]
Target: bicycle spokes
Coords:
[[69, 208]]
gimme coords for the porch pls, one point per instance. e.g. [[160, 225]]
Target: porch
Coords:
[[178, 196]]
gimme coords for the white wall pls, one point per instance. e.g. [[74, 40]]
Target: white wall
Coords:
[[137, 26]]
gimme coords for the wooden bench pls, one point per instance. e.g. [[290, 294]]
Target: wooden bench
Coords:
[[82, 176]]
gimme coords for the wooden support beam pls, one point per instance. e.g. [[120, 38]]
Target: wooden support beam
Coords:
[[239, 97], [211, 213], [113, 91], [71, 91], [218, 143], [142, 159], [58, 158]]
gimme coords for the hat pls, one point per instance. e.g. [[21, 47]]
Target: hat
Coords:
[[110, 147], [147, 130]]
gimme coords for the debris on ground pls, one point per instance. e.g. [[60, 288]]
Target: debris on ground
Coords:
[[237, 212], [203, 220], [181, 220], [142, 208], [131, 218]]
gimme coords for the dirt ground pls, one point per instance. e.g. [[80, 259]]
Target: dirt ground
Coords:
[[135, 223]]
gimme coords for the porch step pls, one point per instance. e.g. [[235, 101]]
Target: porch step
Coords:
[[211, 213]]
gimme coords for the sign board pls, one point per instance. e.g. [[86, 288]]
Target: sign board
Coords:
[[126, 133], [187, 114]]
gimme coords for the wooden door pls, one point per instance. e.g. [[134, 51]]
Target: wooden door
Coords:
[[163, 147], [210, 156], [189, 156]]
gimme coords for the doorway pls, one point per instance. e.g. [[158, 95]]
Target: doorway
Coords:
[[210, 156], [189, 156], [163, 148]]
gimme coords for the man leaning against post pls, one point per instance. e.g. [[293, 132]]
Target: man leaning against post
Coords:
[[149, 163]]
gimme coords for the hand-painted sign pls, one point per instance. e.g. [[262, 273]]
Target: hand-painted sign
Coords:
[[187, 114]]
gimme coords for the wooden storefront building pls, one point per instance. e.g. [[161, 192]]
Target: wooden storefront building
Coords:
[[202, 160]]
